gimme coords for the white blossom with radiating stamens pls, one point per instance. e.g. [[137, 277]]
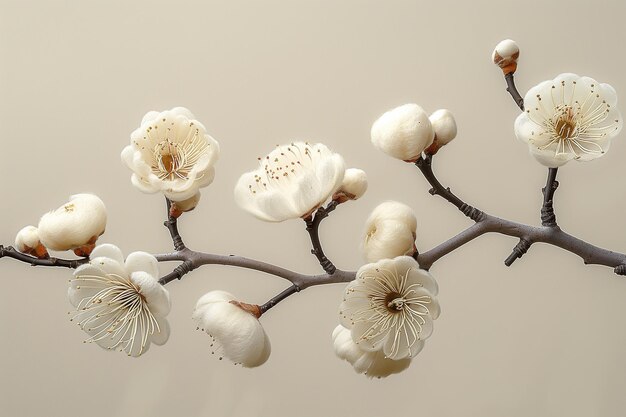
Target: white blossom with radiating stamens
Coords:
[[390, 306], [403, 133], [372, 364], [390, 231], [120, 304], [76, 223], [567, 118], [235, 333], [172, 153], [292, 181]]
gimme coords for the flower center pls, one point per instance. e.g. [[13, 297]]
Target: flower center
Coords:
[[169, 161], [395, 302], [565, 128]]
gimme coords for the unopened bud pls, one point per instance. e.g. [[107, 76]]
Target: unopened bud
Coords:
[[505, 56], [444, 126], [403, 132], [353, 186], [27, 241], [179, 207]]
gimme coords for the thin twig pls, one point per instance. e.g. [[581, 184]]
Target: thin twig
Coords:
[[512, 89], [548, 218], [425, 166], [172, 225], [11, 252], [312, 226], [280, 297]]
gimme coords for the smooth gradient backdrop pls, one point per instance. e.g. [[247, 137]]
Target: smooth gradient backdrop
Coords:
[[542, 338]]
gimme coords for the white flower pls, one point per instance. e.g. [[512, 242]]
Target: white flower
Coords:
[[505, 55], [372, 364], [567, 118], [353, 186], [390, 306], [120, 305], [444, 126], [390, 231], [172, 153], [235, 331], [404, 132], [27, 241], [75, 225], [292, 181]]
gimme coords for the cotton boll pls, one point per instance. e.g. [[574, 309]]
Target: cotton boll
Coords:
[[444, 126], [76, 224], [353, 186], [235, 332], [505, 55], [390, 231], [27, 241], [403, 133], [372, 364]]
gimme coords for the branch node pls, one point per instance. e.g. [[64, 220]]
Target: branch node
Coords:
[[620, 269], [471, 212], [518, 251], [548, 218]]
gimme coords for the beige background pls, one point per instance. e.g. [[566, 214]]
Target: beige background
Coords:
[[543, 338]]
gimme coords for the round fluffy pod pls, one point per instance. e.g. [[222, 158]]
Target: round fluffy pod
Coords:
[[390, 231], [353, 186], [75, 224], [27, 241], [235, 331], [403, 133]]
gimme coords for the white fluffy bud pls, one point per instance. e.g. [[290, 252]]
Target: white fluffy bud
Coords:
[[444, 126], [505, 56], [403, 132], [353, 186], [390, 231], [77, 223], [372, 364], [235, 332], [27, 241], [179, 207]]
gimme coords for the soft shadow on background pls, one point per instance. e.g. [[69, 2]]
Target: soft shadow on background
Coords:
[[543, 338]]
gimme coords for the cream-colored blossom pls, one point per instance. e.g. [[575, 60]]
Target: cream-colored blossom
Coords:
[[372, 364], [390, 231], [292, 181], [390, 306], [403, 133], [172, 153], [235, 332], [75, 225], [569, 117], [120, 304]]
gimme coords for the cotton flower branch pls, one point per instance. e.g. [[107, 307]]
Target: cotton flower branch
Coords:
[[528, 235]]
